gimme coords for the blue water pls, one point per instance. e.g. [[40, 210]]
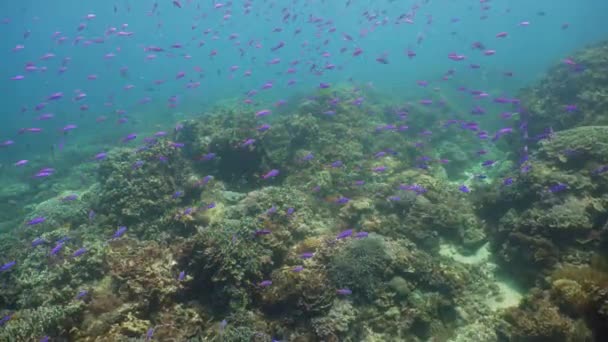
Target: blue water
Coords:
[[226, 53], [52, 27]]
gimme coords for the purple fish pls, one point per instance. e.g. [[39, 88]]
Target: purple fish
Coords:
[[262, 232], [129, 137], [337, 164], [137, 164], [79, 252], [263, 128], [207, 157], [8, 266], [559, 187], [307, 255], [344, 292], [55, 96], [181, 276], [7, 143], [57, 248], [100, 156], [464, 189], [263, 112], [265, 283], [379, 169], [361, 235], [119, 232], [81, 294], [37, 242], [344, 234], [297, 269], [271, 174], [35, 221], [248, 142], [342, 200], [68, 128], [69, 198], [600, 170]]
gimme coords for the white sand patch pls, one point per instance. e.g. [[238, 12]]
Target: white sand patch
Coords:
[[450, 251], [508, 295]]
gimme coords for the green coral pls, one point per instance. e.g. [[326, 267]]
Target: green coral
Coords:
[[577, 144], [32, 324], [131, 194], [337, 322], [360, 265], [583, 85]]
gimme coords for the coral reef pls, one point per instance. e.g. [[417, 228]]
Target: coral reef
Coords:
[[570, 95], [341, 242]]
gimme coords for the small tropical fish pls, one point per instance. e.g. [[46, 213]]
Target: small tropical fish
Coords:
[[57, 248], [37, 242], [361, 235], [559, 187], [81, 294], [129, 137], [337, 164], [35, 221], [8, 266], [379, 169], [79, 252], [263, 112], [265, 283], [69, 198], [207, 157], [464, 189], [342, 200], [344, 292], [91, 215], [119, 232], [344, 234], [307, 255], [600, 170], [271, 174]]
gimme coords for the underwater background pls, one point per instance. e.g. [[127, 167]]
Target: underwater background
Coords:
[[304, 170]]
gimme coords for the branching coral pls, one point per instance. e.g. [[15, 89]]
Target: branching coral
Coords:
[[32, 324]]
